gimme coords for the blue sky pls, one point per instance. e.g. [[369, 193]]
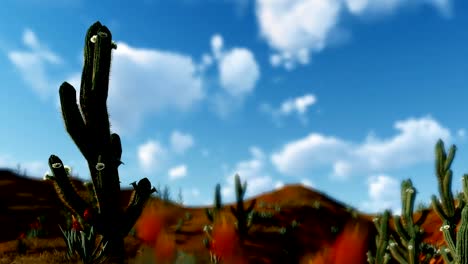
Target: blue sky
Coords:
[[346, 96]]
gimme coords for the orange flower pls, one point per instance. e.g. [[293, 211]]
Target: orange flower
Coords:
[[349, 246], [165, 248], [149, 226]]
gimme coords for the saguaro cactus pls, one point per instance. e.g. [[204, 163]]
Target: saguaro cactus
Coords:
[[241, 213], [90, 130]]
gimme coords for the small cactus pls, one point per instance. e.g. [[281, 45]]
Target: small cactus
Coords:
[[243, 221]]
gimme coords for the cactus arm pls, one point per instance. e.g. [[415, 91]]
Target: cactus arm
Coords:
[[422, 219], [67, 192], [462, 239], [116, 148], [141, 194], [74, 122], [438, 208]]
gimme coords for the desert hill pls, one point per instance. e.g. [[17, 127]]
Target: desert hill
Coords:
[[291, 222]]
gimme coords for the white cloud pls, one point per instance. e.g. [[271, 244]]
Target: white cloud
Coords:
[[253, 172], [178, 172], [312, 151], [298, 106], [217, 45], [146, 81], [181, 142], [384, 193], [461, 133], [413, 143], [361, 7], [151, 155], [295, 29], [239, 72], [307, 183], [33, 64], [279, 185]]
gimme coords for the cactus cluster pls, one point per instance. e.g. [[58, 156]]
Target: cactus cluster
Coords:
[[406, 245], [89, 127], [451, 214]]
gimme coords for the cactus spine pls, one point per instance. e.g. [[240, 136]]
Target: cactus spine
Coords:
[[89, 128], [243, 215], [211, 214]]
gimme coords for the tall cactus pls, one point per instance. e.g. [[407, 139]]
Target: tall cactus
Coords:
[[381, 256], [410, 232], [90, 130], [241, 213], [211, 214], [451, 214]]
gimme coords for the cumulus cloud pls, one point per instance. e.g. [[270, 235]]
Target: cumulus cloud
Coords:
[[413, 143], [34, 63], [253, 172], [178, 172], [298, 106], [151, 155], [295, 29], [145, 81], [384, 193], [181, 142], [238, 71]]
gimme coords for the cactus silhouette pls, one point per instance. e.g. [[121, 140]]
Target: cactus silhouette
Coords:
[[211, 214], [89, 128], [244, 222]]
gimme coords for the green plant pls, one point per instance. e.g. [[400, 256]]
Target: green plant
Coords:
[[244, 222], [451, 214], [83, 244], [89, 127], [382, 255]]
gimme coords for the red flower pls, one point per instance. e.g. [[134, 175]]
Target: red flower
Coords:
[[75, 224], [87, 214]]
